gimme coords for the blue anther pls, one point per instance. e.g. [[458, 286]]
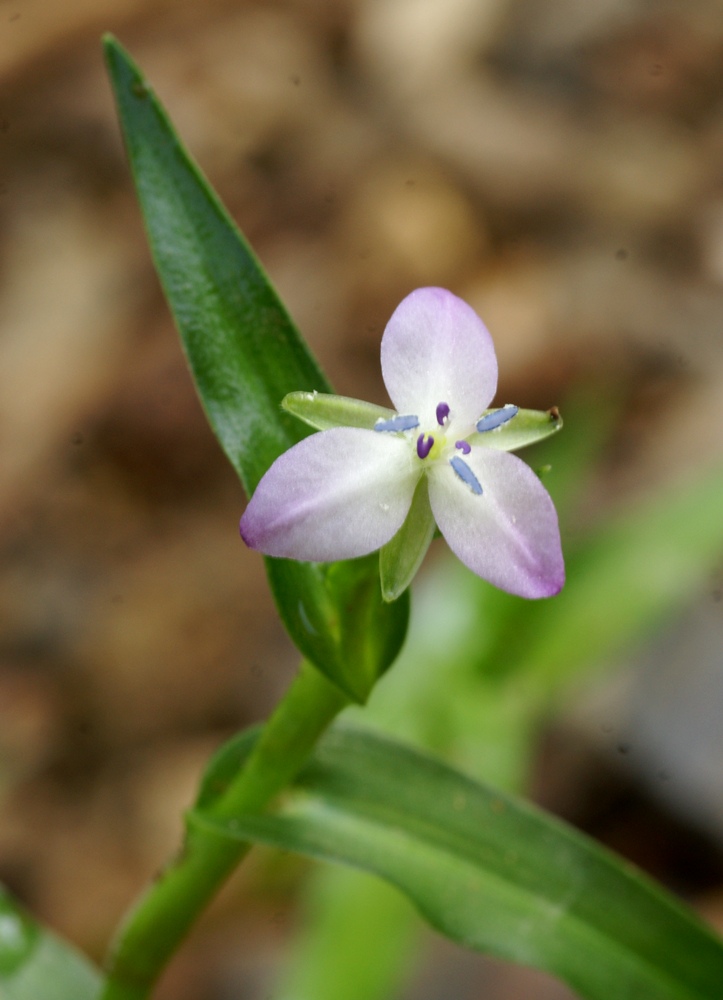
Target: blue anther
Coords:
[[464, 446], [424, 446], [495, 419], [401, 423], [466, 475], [442, 413]]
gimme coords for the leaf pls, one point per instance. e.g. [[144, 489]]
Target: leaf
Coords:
[[486, 869], [336, 616], [243, 349], [35, 965], [244, 352], [449, 692]]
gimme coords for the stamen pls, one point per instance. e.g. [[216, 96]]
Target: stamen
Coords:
[[463, 446], [400, 423], [466, 475], [424, 447], [491, 421], [442, 413]]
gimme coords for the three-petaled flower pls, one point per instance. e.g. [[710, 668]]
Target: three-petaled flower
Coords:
[[384, 478]]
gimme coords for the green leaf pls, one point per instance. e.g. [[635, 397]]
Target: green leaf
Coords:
[[241, 345], [489, 871], [337, 618], [246, 356], [449, 689], [354, 633], [371, 631], [35, 965]]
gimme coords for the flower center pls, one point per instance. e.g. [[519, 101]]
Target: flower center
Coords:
[[433, 445]]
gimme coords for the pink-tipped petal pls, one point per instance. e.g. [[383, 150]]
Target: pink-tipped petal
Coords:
[[336, 495], [436, 349], [509, 535]]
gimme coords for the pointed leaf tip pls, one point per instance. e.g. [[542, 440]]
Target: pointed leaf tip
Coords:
[[246, 356]]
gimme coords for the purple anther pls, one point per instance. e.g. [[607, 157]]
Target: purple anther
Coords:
[[466, 475], [442, 413], [400, 423], [463, 446], [491, 421], [424, 445]]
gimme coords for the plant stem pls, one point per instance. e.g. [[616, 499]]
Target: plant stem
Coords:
[[163, 916]]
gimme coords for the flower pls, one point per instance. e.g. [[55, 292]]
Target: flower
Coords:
[[440, 456]]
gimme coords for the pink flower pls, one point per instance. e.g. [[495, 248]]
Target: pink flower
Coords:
[[384, 481]]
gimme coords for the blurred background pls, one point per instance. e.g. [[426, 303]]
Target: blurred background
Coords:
[[558, 164]]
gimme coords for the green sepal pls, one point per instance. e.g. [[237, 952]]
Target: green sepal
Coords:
[[526, 427], [323, 410], [401, 557]]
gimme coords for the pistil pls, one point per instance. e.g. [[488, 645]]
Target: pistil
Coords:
[[425, 443]]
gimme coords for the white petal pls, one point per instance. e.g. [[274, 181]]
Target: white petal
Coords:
[[336, 495], [436, 349], [509, 535]]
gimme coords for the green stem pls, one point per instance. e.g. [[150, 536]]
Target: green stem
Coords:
[[170, 906]]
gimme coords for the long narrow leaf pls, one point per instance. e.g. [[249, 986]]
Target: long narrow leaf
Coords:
[[243, 349], [246, 356], [489, 871]]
